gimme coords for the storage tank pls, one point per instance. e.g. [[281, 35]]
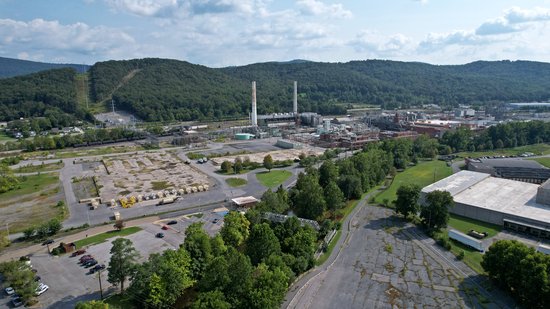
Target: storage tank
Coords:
[[243, 136], [200, 188], [206, 187], [194, 189]]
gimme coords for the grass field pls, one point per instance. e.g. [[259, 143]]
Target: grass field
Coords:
[[31, 184], [537, 149], [543, 161], [40, 168], [273, 178], [472, 257], [5, 138], [99, 238], [423, 174], [236, 182]]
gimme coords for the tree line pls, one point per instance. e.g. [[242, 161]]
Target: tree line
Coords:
[[504, 135]]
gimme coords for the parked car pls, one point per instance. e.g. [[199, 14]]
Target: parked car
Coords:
[[85, 260], [47, 242], [37, 278], [215, 220], [17, 302], [41, 289], [78, 252], [90, 263], [164, 227], [172, 222], [9, 290], [160, 235], [97, 268], [85, 257]]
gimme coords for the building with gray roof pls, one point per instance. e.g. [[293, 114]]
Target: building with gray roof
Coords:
[[510, 168], [513, 204]]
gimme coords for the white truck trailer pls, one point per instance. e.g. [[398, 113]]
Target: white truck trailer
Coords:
[[467, 240]]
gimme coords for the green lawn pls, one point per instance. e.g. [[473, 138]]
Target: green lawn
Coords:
[[273, 178], [99, 238], [236, 182], [5, 138], [422, 174], [472, 257], [543, 161], [31, 184]]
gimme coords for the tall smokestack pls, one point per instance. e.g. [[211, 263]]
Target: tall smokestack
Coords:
[[295, 102], [254, 113]]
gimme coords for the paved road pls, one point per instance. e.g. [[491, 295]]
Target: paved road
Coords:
[[382, 262]]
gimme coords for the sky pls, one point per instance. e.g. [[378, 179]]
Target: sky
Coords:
[[219, 33]]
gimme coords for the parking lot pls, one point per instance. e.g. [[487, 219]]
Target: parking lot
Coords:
[[69, 282]]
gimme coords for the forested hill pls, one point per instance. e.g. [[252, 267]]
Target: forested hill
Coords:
[[159, 89], [49, 93], [14, 67]]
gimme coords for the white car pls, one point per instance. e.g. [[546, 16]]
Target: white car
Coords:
[[9, 290], [41, 289]]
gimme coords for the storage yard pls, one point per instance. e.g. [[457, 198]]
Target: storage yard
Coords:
[[146, 176]]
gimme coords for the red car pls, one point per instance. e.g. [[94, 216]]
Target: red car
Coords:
[[164, 227], [78, 252]]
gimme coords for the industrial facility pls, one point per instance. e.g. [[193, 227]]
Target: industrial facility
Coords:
[[515, 205]]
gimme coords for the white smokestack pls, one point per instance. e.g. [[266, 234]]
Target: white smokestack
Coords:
[[254, 113], [295, 102]]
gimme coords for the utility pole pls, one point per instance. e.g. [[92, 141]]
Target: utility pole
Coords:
[[100, 287]]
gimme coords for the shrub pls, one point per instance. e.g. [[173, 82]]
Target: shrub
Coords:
[[460, 255]]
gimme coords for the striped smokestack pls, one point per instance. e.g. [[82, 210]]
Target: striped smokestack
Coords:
[[254, 112], [295, 102]]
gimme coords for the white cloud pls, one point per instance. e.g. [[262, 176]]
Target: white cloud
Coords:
[[497, 26], [178, 8], [39, 37], [375, 44], [517, 15], [315, 7]]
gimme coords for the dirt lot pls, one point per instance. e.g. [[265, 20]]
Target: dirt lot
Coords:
[[141, 174], [277, 155]]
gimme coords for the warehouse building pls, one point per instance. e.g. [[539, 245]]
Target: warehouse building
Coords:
[[510, 168], [520, 206]]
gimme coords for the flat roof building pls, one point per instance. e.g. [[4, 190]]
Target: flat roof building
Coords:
[[510, 168], [508, 203]]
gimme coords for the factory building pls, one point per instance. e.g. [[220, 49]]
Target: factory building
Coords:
[[515, 205], [510, 168]]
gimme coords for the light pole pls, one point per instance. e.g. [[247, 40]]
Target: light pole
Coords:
[[100, 287]]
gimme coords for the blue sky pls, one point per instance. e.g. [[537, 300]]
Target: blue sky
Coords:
[[220, 33]]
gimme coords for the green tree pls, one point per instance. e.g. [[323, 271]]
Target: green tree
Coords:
[[211, 300], [198, 244], [92, 304], [351, 186], [262, 243], [435, 214], [8, 181], [54, 226], [226, 167], [268, 162], [334, 197], [235, 229], [328, 172], [238, 166], [407, 199], [156, 291], [19, 276], [273, 202], [307, 197], [28, 233], [122, 264], [269, 288]]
